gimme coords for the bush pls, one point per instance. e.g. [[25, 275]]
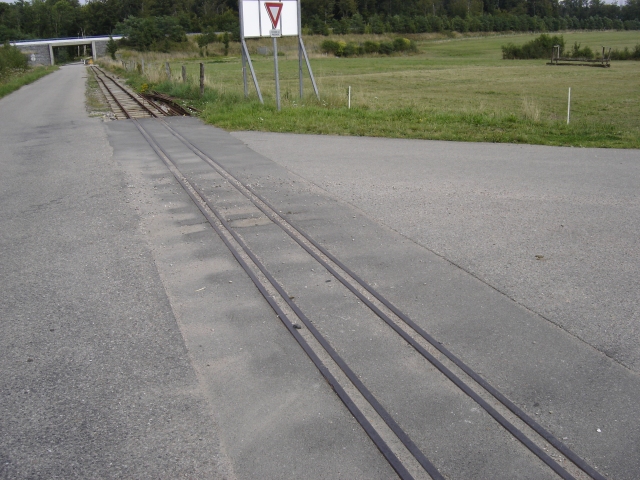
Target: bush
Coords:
[[11, 59], [225, 41], [626, 54], [578, 52], [331, 46], [340, 48], [352, 49], [206, 38], [386, 48], [401, 44], [371, 47], [541, 47], [112, 48]]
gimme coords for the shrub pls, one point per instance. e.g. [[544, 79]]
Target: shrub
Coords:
[[581, 52], [401, 44], [206, 38], [11, 59], [371, 47], [330, 46], [352, 49], [541, 47], [340, 48], [626, 54], [112, 48], [225, 41], [386, 48]]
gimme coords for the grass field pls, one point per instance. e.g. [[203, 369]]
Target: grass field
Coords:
[[453, 89], [14, 82]]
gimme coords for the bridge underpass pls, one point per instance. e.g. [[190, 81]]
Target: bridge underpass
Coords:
[[41, 52]]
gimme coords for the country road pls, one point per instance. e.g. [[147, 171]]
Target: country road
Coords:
[[182, 302]]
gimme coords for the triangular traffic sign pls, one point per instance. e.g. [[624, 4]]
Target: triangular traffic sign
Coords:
[[274, 10]]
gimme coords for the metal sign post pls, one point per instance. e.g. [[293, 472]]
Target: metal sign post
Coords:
[[264, 18], [246, 58], [275, 62], [274, 11], [300, 51]]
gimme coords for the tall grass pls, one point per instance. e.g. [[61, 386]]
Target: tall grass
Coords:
[[16, 81], [530, 109], [12, 61]]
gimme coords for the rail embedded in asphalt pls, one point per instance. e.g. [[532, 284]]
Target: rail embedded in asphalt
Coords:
[[405, 456]]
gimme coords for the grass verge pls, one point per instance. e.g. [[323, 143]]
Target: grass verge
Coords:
[[232, 112], [453, 89], [14, 82]]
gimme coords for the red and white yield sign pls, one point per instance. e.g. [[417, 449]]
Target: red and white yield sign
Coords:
[[274, 9], [262, 18]]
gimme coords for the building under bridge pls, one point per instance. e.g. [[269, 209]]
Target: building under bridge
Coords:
[[40, 52]]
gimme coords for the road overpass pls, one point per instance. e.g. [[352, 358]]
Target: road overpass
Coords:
[[40, 52]]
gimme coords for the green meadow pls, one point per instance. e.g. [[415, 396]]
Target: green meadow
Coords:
[[456, 88]]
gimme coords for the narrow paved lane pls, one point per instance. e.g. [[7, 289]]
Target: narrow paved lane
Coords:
[[96, 380], [105, 373]]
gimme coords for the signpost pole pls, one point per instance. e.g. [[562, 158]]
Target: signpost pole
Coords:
[[275, 61], [253, 73], [313, 80], [244, 58], [244, 74], [300, 50]]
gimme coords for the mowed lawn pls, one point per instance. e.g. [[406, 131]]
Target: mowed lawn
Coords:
[[452, 89]]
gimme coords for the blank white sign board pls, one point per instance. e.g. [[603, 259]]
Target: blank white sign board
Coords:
[[257, 23]]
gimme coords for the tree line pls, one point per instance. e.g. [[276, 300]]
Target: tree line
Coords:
[[26, 19]]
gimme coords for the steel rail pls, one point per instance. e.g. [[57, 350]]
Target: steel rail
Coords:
[[133, 97], [113, 95], [364, 391], [273, 214], [393, 460], [124, 110]]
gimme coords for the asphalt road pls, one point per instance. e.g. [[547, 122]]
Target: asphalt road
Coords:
[[96, 380], [555, 229], [133, 345]]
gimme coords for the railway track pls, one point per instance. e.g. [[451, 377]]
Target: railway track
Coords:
[[389, 431], [124, 103]]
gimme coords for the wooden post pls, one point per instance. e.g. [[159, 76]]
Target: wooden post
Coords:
[[184, 73], [168, 69], [201, 79]]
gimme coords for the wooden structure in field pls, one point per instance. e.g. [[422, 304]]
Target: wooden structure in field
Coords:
[[604, 61]]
